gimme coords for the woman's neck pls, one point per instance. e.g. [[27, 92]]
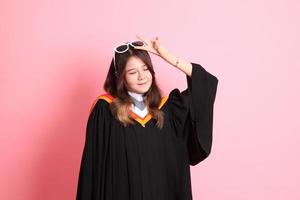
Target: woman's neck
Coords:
[[135, 95]]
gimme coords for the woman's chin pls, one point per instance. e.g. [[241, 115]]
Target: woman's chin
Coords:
[[141, 91], [142, 88]]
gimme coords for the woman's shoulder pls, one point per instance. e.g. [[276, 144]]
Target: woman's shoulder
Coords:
[[101, 101], [105, 99], [177, 100], [177, 95]]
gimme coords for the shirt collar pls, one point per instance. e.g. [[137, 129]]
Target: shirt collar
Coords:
[[137, 96]]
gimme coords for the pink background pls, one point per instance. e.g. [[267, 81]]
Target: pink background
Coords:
[[54, 56]]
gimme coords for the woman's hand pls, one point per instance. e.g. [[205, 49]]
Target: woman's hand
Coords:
[[156, 48], [153, 46]]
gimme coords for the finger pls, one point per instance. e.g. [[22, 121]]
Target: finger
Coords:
[[155, 45], [141, 38], [138, 37], [155, 38], [156, 42]]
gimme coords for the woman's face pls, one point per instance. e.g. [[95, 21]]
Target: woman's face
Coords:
[[137, 76]]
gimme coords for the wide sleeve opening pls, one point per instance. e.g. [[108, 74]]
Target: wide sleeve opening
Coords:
[[202, 88]]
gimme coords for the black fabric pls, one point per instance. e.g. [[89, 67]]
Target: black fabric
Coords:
[[148, 163]]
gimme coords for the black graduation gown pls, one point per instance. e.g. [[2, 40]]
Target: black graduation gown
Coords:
[[143, 162]]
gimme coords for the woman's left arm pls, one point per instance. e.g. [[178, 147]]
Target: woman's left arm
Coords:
[[154, 46], [182, 65]]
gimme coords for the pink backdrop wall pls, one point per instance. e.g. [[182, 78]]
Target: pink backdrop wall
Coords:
[[54, 56]]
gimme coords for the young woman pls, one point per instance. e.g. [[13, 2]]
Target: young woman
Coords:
[[140, 145]]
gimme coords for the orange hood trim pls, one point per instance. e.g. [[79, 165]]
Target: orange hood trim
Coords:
[[109, 98]]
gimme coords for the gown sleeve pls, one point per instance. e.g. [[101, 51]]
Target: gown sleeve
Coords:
[[192, 112], [92, 160]]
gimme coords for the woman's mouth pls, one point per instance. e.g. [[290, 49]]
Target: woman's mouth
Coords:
[[142, 83]]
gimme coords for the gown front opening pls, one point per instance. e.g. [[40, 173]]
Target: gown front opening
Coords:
[[141, 161]]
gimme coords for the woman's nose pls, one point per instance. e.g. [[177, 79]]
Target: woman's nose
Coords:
[[141, 75]]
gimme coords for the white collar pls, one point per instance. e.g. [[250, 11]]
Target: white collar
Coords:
[[141, 113], [137, 96]]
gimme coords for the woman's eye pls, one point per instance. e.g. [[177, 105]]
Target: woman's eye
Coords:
[[146, 69], [132, 73]]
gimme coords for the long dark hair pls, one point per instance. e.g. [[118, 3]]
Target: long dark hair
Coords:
[[116, 87]]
